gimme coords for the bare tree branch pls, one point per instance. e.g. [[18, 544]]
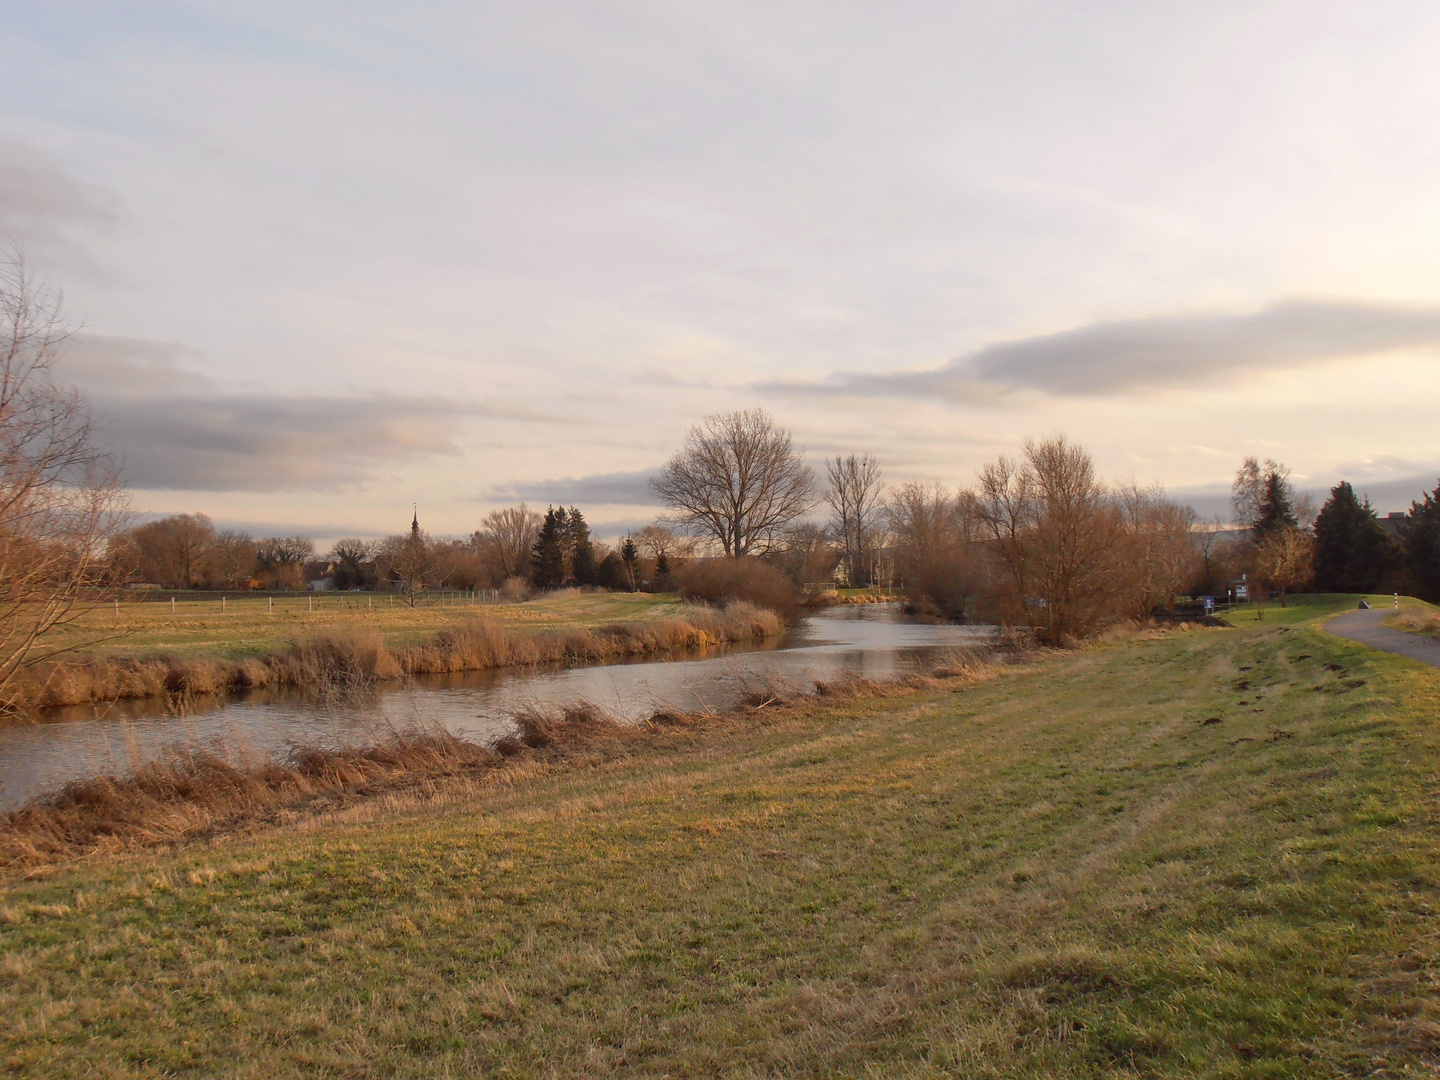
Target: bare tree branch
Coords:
[[60, 497], [739, 480], [855, 493], [508, 535]]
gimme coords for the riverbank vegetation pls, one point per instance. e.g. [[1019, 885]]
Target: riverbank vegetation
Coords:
[[354, 650], [1186, 852]]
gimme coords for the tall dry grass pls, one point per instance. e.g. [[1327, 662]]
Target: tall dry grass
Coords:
[[1418, 622], [190, 794], [338, 662]]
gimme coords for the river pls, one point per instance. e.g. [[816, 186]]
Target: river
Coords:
[[876, 641]]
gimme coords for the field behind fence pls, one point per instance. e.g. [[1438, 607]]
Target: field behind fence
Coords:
[[235, 625]]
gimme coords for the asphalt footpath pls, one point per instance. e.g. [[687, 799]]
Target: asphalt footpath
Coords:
[[1366, 627]]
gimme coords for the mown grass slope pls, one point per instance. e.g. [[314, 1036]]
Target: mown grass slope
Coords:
[[1205, 853]]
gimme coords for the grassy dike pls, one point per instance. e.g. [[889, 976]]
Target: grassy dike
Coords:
[[1208, 852]]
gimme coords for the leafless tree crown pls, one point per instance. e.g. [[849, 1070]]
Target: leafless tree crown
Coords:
[[659, 541], [509, 534], [738, 479], [60, 498], [855, 493]]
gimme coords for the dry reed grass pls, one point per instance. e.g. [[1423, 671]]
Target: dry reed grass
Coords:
[[1418, 622], [192, 795], [339, 662]]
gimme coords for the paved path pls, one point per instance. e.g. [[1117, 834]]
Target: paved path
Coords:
[[1365, 627]]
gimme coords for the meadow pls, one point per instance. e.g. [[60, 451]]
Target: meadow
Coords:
[[255, 625], [350, 643], [1203, 852]]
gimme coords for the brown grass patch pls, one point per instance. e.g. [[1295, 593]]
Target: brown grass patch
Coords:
[[1418, 622], [340, 662]]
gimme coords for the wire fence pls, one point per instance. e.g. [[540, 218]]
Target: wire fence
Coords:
[[189, 602]]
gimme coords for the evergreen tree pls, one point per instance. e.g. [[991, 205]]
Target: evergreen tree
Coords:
[[580, 549], [1422, 545], [1352, 549], [611, 572], [630, 559], [547, 558], [1276, 511], [662, 566]]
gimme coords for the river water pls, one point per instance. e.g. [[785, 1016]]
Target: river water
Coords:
[[875, 641]]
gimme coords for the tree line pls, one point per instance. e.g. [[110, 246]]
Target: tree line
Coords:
[[1036, 540], [1344, 547]]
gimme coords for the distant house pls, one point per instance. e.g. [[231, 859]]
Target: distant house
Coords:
[[1394, 522]]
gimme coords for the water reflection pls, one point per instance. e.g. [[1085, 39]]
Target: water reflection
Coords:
[[875, 641]]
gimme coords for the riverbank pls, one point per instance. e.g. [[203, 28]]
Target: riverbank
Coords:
[[1189, 852], [348, 655]]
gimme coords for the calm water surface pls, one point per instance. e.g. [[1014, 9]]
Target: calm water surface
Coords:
[[876, 641]]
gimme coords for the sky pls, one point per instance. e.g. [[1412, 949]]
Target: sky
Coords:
[[329, 260]]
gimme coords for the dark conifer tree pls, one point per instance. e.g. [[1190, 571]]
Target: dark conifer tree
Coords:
[[547, 557], [630, 559], [1352, 549], [662, 566], [611, 572], [580, 549], [1422, 546], [1276, 511]]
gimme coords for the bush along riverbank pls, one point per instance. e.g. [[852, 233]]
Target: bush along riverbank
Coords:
[[354, 659]]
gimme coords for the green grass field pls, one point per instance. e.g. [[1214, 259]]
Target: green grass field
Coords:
[[1202, 853], [253, 626]]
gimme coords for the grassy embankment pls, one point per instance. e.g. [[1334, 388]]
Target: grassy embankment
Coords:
[[1209, 852], [144, 650]]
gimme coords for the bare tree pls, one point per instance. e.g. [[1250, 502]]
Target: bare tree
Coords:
[[1159, 549], [1284, 559], [659, 542], [1247, 491], [174, 550], [231, 560], [739, 480], [410, 561], [808, 554], [282, 559], [508, 535], [921, 518], [60, 499], [856, 495], [934, 553], [1006, 510], [1051, 524]]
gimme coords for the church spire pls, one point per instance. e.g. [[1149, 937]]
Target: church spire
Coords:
[[415, 522]]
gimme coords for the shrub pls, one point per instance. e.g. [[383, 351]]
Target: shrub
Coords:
[[515, 589], [723, 581]]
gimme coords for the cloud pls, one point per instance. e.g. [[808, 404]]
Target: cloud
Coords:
[[177, 429], [40, 203], [599, 489], [1145, 354]]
